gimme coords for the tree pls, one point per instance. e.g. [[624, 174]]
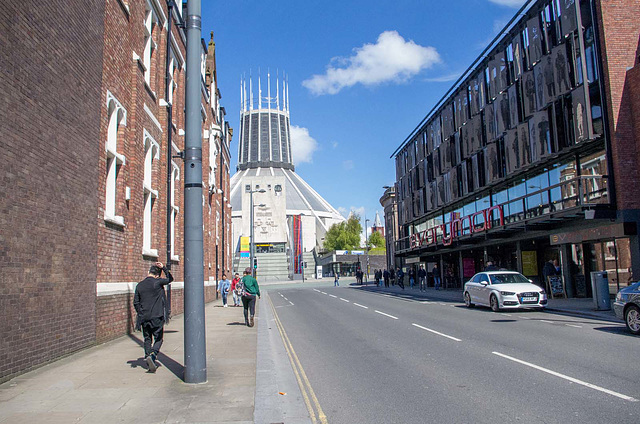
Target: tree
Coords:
[[376, 240], [344, 235]]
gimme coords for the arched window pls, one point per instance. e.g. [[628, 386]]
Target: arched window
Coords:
[[150, 23], [117, 118], [151, 152]]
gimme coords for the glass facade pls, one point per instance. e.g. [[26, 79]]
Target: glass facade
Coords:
[[510, 133]]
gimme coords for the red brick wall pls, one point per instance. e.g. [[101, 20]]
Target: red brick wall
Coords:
[[619, 25], [49, 119]]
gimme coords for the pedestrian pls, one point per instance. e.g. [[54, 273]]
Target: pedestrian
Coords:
[[548, 270], [491, 267], [412, 277], [392, 276], [223, 288], [422, 275], [149, 302], [400, 276], [250, 290], [385, 276], [336, 279], [236, 294], [437, 281]]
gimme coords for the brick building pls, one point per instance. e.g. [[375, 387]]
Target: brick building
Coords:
[[533, 154], [91, 194]]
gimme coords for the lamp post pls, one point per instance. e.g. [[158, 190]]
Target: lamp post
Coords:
[[366, 247], [252, 252]]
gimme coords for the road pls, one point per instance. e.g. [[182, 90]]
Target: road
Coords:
[[370, 357]]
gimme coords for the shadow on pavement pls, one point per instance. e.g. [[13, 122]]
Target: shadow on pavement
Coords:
[[236, 323], [621, 330], [175, 367]]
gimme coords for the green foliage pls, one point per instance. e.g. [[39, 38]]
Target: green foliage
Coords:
[[375, 239], [344, 236]]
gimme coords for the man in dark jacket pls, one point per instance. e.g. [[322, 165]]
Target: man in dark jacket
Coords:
[[149, 302]]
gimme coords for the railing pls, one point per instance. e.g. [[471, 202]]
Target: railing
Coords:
[[579, 192]]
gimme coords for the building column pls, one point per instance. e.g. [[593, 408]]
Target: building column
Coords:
[[565, 257], [519, 256]]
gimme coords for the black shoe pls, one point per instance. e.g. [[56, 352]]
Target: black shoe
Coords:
[[151, 362], [251, 322]]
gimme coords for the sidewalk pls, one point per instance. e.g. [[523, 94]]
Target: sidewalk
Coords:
[[573, 306], [109, 383]]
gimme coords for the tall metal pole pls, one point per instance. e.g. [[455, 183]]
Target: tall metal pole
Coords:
[[195, 357]]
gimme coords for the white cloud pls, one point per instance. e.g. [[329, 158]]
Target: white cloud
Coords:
[[391, 59], [445, 78], [302, 145], [348, 164], [359, 211], [334, 144], [509, 3], [343, 211]]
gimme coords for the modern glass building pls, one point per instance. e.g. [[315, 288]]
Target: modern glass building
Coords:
[[520, 162]]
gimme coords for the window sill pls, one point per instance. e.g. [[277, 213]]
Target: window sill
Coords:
[[175, 258], [150, 91], [115, 220], [152, 253]]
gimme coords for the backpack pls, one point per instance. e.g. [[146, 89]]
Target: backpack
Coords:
[[240, 288]]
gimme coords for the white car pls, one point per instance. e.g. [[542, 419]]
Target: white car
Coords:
[[503, 289]]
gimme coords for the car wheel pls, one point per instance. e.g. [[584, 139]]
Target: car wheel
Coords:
[[632, 319], [467, 300], [495, 306]]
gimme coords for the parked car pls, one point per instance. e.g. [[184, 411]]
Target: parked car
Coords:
[[627, 307], [503, 289]]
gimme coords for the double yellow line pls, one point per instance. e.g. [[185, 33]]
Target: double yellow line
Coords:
[[310, 399]]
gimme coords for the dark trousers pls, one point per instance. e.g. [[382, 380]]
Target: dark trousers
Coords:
[[249, 302], [152, 328]]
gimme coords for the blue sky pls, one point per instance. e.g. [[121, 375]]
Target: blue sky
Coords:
[[362, 75]]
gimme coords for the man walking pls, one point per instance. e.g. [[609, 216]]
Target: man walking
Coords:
[[149, 302], [336, 279], [400, 275], [250, 291], [422, 275], [385, 276], [437, 281]]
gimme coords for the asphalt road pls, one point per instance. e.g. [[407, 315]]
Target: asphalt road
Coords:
[[376, 358]]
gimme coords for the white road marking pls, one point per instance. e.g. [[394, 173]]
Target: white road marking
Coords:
[[323, 292], [548, 322], [334, 296], [443, 304], [566, 377], [426, 302], [280, 294], [344, 300], [362, 306], [387, 295], [574, 326], [291, 303], [437, 332], [524, 317], [316, 290], [285, 298], [386, 315], [507, 315]]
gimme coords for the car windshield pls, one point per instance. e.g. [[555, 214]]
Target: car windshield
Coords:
[[508, 278]]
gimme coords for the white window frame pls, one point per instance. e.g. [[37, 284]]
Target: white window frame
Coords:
[[116, 116], [153, 15], [151, 152]]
